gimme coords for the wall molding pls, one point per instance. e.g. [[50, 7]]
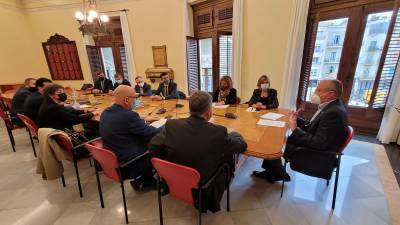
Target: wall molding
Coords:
[[38, 5]]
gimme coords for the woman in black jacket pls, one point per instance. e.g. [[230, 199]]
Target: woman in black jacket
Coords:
[[53, 114], [264, 97], [226, 94]]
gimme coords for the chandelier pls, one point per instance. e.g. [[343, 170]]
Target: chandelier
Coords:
[[91, 22]]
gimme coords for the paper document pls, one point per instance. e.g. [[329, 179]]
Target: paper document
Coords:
[[84, 106], [221, 106], [271, 123], [159, 123], [271, 116], [251, 109]]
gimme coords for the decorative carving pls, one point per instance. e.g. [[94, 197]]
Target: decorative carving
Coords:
[[57, 38], [160, 56]]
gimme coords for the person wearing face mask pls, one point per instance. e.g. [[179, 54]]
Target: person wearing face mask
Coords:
[[34, 100], [325, 131], [225, 94], [197, 143], [167, 89], [102, 84], [18, 101], [264, 97], [53, 114], [119, 79], [142, 88], [127, 135]]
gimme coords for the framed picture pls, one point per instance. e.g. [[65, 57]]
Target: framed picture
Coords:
[[160, 56]]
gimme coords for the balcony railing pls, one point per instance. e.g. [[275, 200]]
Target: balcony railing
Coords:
[[330, 60]]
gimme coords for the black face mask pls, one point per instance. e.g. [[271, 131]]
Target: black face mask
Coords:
[[62, 97], [32, 89], [101, 78]]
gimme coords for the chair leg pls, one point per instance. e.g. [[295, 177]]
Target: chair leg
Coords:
[[63, 181], [98, 185], [10, 135], [200, 205], [284, 176], [336, 183], [159, 200], [33, 145], [90, 162], [228, 208], [78, 178], [124, 199]]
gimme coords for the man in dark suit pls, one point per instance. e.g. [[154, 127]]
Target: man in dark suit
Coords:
[[199, 144], [34, 100], [18, 101], [167, 89], [127, 135], [102, 84], [142, 88], [119, 79], [326, 131]]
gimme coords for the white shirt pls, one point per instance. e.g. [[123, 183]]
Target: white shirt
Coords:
[[320, 108]]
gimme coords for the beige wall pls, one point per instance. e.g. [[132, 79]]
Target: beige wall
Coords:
[[152, 22]]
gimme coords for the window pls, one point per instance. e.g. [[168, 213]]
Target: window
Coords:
[[333, 56], [225, 55], [331, 69], [315, 60], [336, 40]]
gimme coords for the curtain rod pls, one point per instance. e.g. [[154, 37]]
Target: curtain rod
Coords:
[[121, 10]]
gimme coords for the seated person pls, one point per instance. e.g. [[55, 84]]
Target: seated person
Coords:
[[127, 135], [119, 79], [326, 131], [53, 114], [197, 143], [18, 101], [142, 88], [226, 94], [34, 100], [102, 84], [167, 89], [264, 97]]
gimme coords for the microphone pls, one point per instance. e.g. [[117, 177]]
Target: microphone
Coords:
[[228, 115]]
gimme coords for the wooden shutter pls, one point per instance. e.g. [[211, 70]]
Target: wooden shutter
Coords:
[[95, 60], [193, 65], [389, 67], [124, 64], [225, 55], [308, 52]]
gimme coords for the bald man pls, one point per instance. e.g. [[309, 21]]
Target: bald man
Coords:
[[128, 135], [325, 131]]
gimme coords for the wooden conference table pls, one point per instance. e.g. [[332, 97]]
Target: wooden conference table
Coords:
[[263, 141]]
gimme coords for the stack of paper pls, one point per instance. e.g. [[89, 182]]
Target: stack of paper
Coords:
[[251, 109], [221, 106], [271, 123], [271, 116], [159, 123]]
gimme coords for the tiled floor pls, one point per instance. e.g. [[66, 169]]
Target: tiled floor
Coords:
[[27, 199]]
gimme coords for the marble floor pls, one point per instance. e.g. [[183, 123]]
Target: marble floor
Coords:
[[26, 199]]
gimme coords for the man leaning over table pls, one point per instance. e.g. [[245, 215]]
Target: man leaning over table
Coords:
[[326, 131]]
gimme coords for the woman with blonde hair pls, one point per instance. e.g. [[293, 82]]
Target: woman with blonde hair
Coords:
[[264, 97], [226, 94]]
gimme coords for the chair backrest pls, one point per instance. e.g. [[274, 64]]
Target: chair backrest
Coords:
[[350, 135], [107, 160], [180, 179], [65, 143], [238, 100], [6, 118], [29, 124]]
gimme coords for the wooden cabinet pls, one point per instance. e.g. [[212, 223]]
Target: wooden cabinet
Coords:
[[62, 58]]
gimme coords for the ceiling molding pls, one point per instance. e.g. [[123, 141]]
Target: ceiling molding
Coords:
[[37, 5], [11, 4]]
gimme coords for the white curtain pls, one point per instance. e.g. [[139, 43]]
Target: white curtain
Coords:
[[87, 40], [390, 126], [237, 40], [294, 53], [128, 45]]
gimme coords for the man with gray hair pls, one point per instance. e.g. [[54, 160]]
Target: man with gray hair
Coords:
[[325, 131], [197, 143]]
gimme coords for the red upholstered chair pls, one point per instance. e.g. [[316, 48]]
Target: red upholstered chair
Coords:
[[321, 155], [9, 126], [111, 168], [65, 143], [181, 180], [31, 128]]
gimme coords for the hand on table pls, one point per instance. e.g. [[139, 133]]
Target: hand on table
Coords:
[[151, 119], [156, 97], [293, 120], [220, 103]]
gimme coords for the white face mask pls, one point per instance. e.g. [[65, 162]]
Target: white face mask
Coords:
[[118, 81], [264, 86], [315, 99], [141, 84]]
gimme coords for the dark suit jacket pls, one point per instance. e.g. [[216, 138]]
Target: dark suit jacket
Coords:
[[32, 105], [124, 132], [146, 90], [230, 99], [271, 102], [108, 85], [124, 82], [201, 145], [17, 104], [53, 115], [327, 132], [172, 90]]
